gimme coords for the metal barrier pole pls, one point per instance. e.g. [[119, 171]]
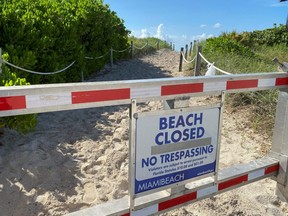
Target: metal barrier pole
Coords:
[[279, 148], [181, 59]]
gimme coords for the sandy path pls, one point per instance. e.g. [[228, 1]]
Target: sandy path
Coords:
[[76, 159]]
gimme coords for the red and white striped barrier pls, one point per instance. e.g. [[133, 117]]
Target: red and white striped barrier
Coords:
[[18, 100], [229, 178]]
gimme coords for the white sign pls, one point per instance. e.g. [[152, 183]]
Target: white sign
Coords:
[[172, 148]]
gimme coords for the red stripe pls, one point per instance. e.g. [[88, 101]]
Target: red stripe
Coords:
[[100, 95], [177, 201], [271, 169], [127, 214], [241, 84], [181, 89], [281, 81], [232, 182], [13, 102]]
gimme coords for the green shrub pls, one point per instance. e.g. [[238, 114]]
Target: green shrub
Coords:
[[47, 36], [22, 123], [226, 45]]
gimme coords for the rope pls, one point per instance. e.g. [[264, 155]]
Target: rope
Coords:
[[35, 72], [99, 57], [186, 59], [120, 51], [153, 46], [139, 48], [222, 71]]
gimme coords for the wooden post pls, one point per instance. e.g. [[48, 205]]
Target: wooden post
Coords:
[[198, 62], [111, 57], [194, 45], [158, 45], [186, 51], [82, 76], [173, 47], [181, 59], [131, 49], [191, 47], [147, 46]]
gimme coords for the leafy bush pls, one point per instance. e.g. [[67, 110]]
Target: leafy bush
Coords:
[[22, 123], [47, 35], [152, 42], [251, 52], [226, 45]]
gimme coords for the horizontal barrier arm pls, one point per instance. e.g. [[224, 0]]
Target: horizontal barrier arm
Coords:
[[17, 100], [229, 178]]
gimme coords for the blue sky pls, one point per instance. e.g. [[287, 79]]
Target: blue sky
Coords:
[[184, 21]]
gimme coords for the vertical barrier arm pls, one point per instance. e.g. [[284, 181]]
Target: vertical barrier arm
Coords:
[[133, 109], [279, 148]]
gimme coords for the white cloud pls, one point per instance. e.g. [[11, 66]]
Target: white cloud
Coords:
[[278, 5], [203, 26], [160, 32], [202, 37], [217, 25], [184, 37], [144, 33]]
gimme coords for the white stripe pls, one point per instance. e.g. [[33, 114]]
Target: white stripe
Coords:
[[266, 82], [256, 174], [146, 211], [214, 86], [207, 191], [145, 92], [47, 100]]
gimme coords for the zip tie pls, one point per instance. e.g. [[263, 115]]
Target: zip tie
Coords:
[[186, 59], [222, 71], [99, 57], [35, 72]]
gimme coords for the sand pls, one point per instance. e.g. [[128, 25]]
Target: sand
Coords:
[[77, 159]]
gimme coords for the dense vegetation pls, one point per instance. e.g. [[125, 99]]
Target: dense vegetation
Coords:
[[250, 52], [151, 45], [48, 35]]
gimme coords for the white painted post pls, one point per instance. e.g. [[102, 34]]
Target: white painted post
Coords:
[[279, 148]]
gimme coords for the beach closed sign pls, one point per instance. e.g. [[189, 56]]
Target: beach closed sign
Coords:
[[175, 147]]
